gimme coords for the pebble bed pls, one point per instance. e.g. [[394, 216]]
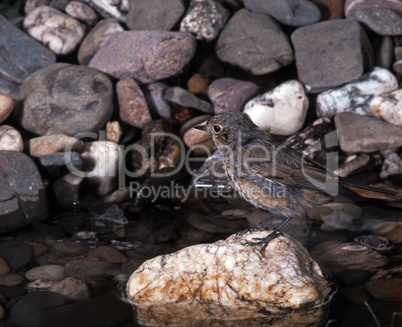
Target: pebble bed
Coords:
[[99, 158]]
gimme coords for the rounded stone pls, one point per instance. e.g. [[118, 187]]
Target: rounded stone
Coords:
[[82, 12], [230, 94], [59, 32], [48, 144], [146, 56], [50, 272], [10, 139], [73, 288], [98, 37], [383, 21], [351, 6], [6, 106], [107, 253], [66, 99], [388, 290], [388, 107], [280, 111]]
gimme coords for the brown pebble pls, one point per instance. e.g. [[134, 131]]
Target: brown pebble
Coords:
[[107, 253], [386, 289]]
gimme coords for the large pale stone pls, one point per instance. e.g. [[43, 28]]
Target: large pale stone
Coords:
[[388, 107], [231, 280], [281, 110]]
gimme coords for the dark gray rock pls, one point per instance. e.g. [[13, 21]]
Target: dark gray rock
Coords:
[[65, 99], [255, 43], [67, 190], [55, 163], [22, 194], [104, 310], [91, 268], [184, 98], [146, 56], [161, 15], [231, 94], [16, 62], [99, 36], [383, 21], [331, 53], [288, 12], [359, 133], [385, 53], [17, 254], [155, 95]]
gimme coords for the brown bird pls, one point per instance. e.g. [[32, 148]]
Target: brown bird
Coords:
[[275, 177]]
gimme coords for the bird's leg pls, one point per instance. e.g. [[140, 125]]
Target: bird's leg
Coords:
[[258, 227], [271, 236]]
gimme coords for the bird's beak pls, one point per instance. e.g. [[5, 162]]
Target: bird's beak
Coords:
[[201, 127]]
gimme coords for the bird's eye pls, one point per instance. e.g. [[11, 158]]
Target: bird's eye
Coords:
[[217, 129]]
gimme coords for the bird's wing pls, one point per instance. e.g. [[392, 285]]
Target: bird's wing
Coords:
[[286, 166]]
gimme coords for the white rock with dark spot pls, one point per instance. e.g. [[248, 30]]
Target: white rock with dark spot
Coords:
[[204, 18], [59, 32], [280, 111], [231, 280], [356, 96], [10, 139], [388, 107], [102, 159]]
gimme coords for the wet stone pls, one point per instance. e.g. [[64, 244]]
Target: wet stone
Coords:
[[67, 190], [6, 106], [356, 96], [67, 249], [59, 32], [184, 98], [67, 99], [10, 139], [49, 272], [91, 268], [318, 48], [17, 63], [15, 253], [230, 94], [155, 97], [40, 285], [205, 19], [132, 104], [4, 267], [385, 289], [55, 164], [50, 144], [22, 194], [255, 43], [383, 21], [98, 37], [82, 12], [359, 133], [391, 230], [107, 253], [288, 12], [387, 106], [280, 111], [145, 56], [72, 288], [340, 257], [214, 279], [376, 242], [355, 277], [161, 15]]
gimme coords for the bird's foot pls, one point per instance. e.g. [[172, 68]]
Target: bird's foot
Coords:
[[249, 230], [265, 240]]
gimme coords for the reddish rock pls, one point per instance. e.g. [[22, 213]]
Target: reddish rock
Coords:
[[133, 106], [330, 9]]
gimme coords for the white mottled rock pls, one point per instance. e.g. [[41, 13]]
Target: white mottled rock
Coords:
[[204, 18], [356, 96], [109, 8], [49, 272], [6, 106], [279, 111], [47, 144], [230, 280], [101, 162], [392, 165], [113, 131], [59, 32], [73, 288], [10, 139], [388, 107]]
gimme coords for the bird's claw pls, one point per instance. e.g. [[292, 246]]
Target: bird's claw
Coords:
[[264, 240]]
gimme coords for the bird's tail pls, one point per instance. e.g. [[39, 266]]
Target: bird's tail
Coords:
[[372, 192]]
